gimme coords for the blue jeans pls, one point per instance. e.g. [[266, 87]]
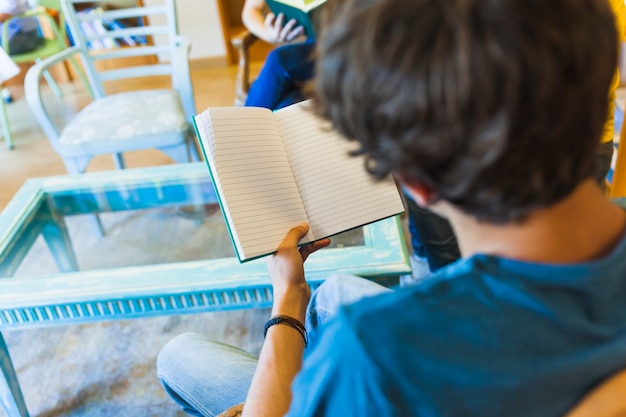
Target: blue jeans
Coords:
[[432, 236], [206, 377], [282, 77]]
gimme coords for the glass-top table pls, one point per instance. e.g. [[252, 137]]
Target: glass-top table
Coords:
[[164, 250]]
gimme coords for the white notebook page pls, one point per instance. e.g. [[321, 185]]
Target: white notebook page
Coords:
[[257, 186], [338, 194]]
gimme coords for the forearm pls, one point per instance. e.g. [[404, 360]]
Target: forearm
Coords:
[[253, 17], [279, 362], [4, 16], [281, 356]]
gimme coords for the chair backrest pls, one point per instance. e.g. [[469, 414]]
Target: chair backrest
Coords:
[[129, 43], [48, 4], [606, 400]]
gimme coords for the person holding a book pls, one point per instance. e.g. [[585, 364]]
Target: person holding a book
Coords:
[[463, 101], [267, 26], [280, 83], [287, 67]]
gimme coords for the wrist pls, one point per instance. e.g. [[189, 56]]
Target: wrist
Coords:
[[292, 302], [296, 324]]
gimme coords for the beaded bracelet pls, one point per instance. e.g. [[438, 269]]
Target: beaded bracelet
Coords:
[[289, 321]]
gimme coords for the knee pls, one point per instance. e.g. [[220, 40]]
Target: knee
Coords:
[[342, 289], [174, 355], [275, 61], [348, 288]]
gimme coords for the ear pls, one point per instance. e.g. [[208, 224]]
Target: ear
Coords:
[[421, 193]]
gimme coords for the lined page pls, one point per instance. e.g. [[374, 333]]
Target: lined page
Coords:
[[257, 188], [338, 194]]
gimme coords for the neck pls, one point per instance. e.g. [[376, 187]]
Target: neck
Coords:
[[582, 227]]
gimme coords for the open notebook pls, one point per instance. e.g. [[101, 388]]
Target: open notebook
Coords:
[[273, 171]]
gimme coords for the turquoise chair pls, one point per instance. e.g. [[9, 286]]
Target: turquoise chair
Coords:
[[131, 120]]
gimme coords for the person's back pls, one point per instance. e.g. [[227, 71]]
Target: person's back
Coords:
[[487, 336], [490, 114]]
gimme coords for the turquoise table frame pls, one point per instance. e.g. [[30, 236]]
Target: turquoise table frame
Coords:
[[72, 296]]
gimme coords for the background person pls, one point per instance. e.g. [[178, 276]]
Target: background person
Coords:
[[288, 67]]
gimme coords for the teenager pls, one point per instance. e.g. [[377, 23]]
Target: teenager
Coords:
[[490, 113]]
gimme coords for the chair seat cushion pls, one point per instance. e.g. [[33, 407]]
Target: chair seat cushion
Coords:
[[126, 116]]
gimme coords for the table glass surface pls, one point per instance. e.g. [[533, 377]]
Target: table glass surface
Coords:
[[149, 216], [146, 220], [165, 250]]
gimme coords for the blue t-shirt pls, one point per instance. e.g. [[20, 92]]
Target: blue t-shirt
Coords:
[[484, 337]]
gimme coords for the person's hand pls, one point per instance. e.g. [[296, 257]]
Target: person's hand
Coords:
[[286, 268], [277, 33]]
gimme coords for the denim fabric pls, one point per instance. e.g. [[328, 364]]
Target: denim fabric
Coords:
[[206, 377], [285, 71], [337, 290], [432, 236]]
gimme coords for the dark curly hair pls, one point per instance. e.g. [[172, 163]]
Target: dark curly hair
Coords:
[[497, 105]]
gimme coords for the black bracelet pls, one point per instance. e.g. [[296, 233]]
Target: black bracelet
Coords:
[[289, 321]]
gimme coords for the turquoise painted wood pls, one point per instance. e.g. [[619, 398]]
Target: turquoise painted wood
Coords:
[[177, 141], [73, 296], [11, 399]]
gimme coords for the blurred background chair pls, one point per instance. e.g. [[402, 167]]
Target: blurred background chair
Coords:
[[53, 40], [144, 42], [129, 120]]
